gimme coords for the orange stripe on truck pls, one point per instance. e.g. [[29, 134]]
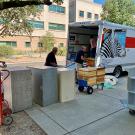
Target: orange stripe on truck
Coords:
[[130, 42]]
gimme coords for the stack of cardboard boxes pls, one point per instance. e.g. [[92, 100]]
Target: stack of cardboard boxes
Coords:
[[92, 75]]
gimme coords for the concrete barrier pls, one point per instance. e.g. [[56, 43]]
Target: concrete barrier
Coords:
[[18, 89], [44, 83], [66, 83]]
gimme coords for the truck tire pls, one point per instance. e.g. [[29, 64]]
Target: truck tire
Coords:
[[132, 112], [117, 71]]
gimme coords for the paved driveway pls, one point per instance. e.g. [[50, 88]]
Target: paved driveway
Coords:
[[103, 113]]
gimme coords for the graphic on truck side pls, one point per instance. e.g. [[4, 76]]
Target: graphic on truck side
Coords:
[[113, 46]]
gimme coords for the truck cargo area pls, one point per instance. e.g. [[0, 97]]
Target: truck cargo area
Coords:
[[80, 36]]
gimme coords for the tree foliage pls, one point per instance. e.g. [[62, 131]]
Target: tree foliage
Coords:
[[48, 41], [119, 11], [14, 21], [6, 51]]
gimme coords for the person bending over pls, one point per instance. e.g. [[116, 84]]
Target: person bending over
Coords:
[[51, 59], [80, 55]]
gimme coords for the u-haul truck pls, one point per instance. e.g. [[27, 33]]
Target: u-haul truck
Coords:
[[115, 47]]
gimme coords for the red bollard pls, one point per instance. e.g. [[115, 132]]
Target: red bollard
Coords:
[[1, 102]]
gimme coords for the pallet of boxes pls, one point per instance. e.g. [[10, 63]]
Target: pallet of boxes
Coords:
[[90, 76]]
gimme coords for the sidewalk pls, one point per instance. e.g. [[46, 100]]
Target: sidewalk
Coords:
[[102, 113]]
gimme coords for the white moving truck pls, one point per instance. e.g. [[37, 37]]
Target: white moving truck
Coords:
[[115, 47]]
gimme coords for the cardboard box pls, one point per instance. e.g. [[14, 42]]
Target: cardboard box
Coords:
[[92, 81], [87, 72], [90, 62], [100, 71], [100, 79]]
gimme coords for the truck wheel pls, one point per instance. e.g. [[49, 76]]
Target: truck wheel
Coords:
[[89, 90], [117, 71], [132, 112], [81, 88]]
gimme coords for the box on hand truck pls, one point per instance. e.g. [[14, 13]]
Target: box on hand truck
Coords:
[[88, 77]]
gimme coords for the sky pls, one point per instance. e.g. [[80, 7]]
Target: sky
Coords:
[[99, 1]]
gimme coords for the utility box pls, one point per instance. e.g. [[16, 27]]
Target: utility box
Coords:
[[66, 83], [18, 89], [44, 82]]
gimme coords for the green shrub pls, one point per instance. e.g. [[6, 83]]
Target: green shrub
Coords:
[[48, 42], [6, 51], [18, 52], [62, 51]]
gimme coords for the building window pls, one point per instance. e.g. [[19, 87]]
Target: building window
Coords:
[[27, 44], [89, 15], [55, 26], [40, 7], [81, 13], [8, 43], [57, 9], [36, 24], [96, 16]]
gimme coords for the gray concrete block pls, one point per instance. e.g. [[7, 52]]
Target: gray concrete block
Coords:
[[45, 88], [66, 83], [18, 89]]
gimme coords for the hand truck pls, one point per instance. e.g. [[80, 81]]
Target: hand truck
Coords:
[[5, 111]]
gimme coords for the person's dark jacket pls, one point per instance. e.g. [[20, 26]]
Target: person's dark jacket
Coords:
[[51, 60], [78, 57]]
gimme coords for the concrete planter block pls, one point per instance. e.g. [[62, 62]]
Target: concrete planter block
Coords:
[[45, 88], [66, 82], [18, 89]]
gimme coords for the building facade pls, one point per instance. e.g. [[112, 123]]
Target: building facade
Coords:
[[84, 10], [55, 19]]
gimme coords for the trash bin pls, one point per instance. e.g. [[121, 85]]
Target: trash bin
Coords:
[[44, 82]]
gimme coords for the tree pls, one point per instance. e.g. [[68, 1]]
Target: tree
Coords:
[[48, 41], [119, 11], [14, 21]]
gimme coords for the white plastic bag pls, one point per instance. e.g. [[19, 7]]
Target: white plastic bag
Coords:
[[111, 79]]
